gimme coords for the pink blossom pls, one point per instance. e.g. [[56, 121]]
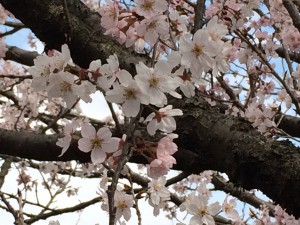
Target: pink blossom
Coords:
[[45, 65], [109, 14], [229, 208], [158, 190], [201, 211], [198, 53], [129, 94], [134, 39], [123, 203], [117, 31], [216, 29], [179, 21], [283, 218], [166, 146], [159, 167], [62, 85], [156, 81], [153, 28], [99, 143], [164, 161], [3, 14], [69, 131], [108, 72], [163, 120], [150, 8]]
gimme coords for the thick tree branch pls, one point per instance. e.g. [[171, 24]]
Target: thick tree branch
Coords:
[[207, 140], [80, 29], [243, 195], [20, 56], [293, 11]]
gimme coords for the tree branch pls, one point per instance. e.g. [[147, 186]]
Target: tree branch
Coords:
[[207, 140], [20, 56], [62, 211], [81, 30], [293, 11]]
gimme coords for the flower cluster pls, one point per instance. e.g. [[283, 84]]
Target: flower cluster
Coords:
[[164, 159], [202, 212], [50, 74], [158, 193]]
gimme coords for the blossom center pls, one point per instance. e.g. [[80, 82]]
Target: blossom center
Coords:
[[159, 116], [46, 71], [198, 50], [202, 211], [130, 93], [152, 25], [121, 204], [153, 82], [96, 143], [147, 5], [65, 86]]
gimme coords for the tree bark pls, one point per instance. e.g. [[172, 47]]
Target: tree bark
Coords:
[[207, 138]]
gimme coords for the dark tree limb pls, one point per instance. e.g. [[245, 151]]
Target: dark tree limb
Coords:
[[207, 140], [80, 29], [293, 11], [20, 56]]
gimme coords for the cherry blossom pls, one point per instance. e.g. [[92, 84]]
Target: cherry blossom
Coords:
[[108, 73], [179, 21], [198, 53], [117, 31], [235, 42], [69, 131], [45, 65], [261, 118], [158, 190], [229, 208], [197, 205], [216, 30], [164, 160], [163, 120], [99, 142], [153, 28], [150, 8], [283, 218], [3, 14], [159, 194], [109, 13], [156, 81], [59, 60], [62, 85], [123, 203], [129, 94]]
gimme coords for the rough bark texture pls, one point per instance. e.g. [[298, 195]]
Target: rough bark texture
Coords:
[[56, 22], [207, 138]]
